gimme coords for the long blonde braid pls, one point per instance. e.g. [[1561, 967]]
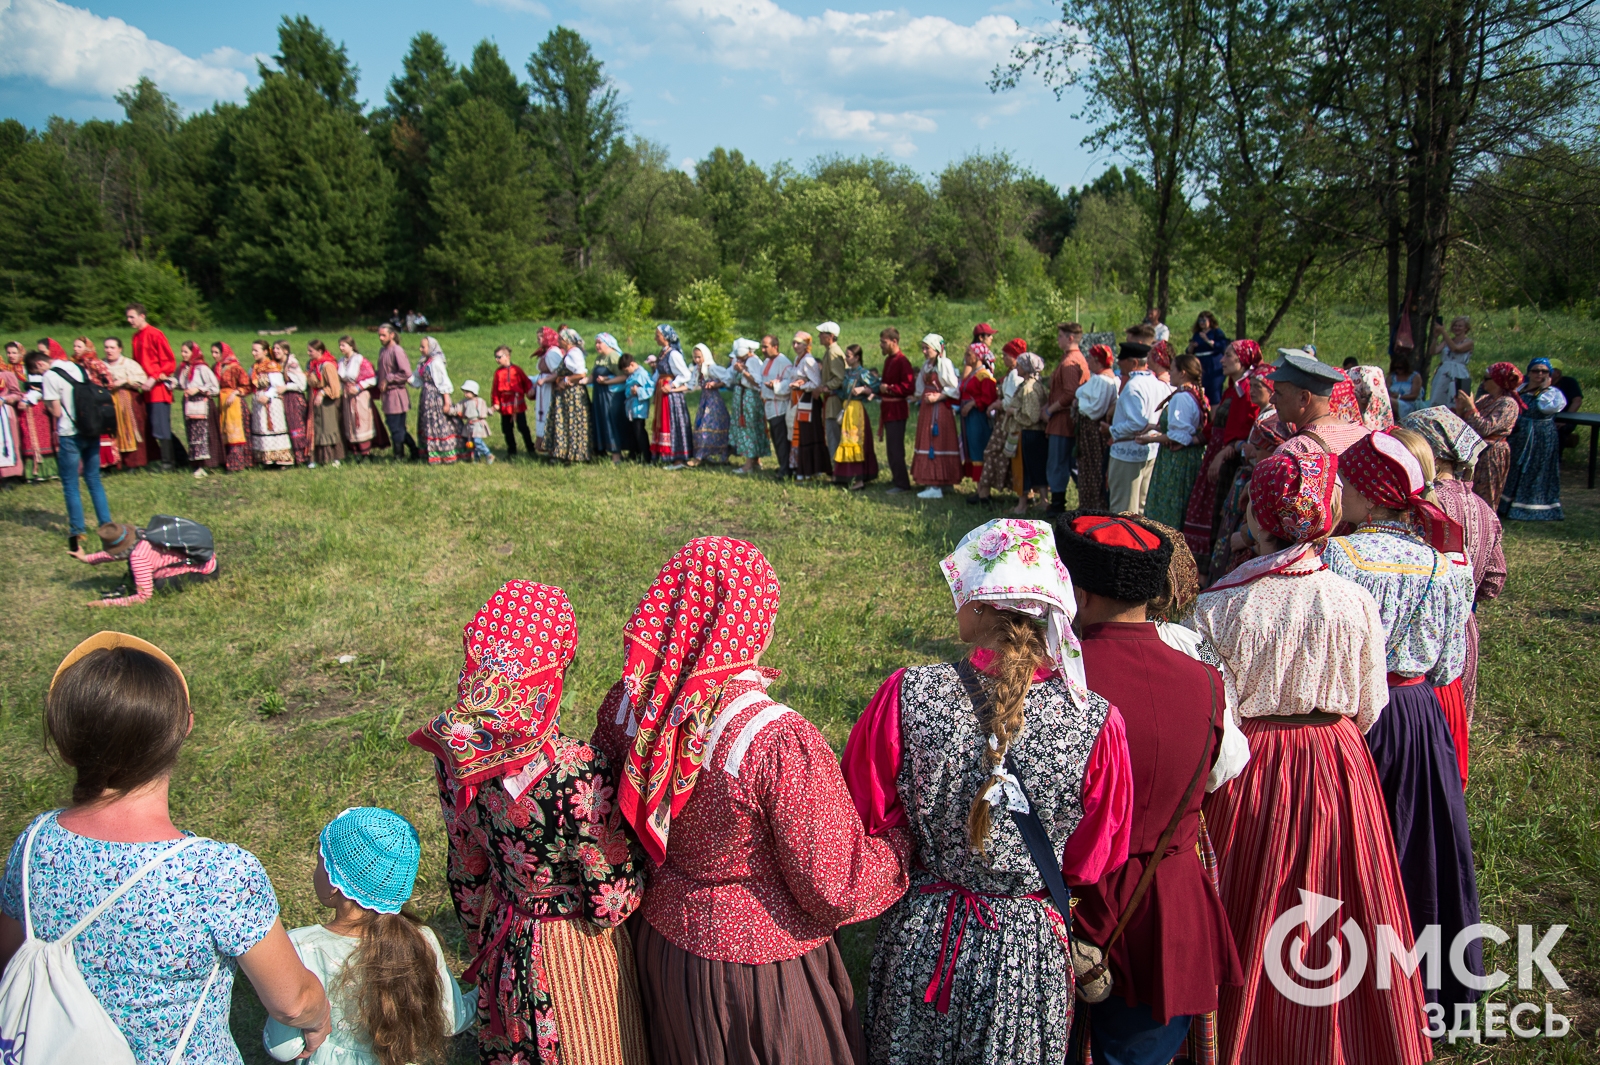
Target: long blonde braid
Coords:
[[1019, 644]]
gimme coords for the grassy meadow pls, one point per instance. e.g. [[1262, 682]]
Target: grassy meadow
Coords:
[[386, 562]]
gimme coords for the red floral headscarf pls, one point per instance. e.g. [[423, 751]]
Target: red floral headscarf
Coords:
[[1269, 431], [1291, 495], [1387, 474], [706, 618], [548, 338], [508, 696], [193, 356], [1248, 352], [1102, 356], [1161, 356], [985, 356], [1343, 403], [1509, 378]]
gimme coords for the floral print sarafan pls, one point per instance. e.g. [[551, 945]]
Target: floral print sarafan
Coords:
[[557, 851]]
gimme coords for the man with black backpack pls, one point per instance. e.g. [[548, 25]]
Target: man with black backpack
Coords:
[[82, 410]]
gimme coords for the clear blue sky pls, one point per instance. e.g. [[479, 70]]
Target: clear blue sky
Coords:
[[778, 79]]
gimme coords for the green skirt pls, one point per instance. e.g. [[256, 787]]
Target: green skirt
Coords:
[[1170, 484]]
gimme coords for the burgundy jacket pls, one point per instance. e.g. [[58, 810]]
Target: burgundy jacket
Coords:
[[1178, 948], [898, 382]]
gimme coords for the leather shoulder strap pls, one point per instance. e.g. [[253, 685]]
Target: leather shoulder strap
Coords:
[[1160, 852]]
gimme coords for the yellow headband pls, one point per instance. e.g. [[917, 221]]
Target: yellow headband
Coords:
[[110, 639]]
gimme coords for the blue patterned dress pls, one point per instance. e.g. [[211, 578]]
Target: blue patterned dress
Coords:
[[1533, 486], [147, 958], [711, 423]]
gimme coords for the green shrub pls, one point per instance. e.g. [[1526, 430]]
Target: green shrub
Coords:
[[706, 311]]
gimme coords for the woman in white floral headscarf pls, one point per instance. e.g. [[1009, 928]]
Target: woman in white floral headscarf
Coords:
[[974, 955]]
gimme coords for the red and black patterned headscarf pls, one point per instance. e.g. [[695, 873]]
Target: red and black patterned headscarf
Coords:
[[1509, 378]]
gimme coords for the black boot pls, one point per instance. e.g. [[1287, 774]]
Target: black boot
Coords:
[[1058, 504], [166, 455]]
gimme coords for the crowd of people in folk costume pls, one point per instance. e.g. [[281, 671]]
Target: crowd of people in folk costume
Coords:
[[1141, 429], [1187, 765]]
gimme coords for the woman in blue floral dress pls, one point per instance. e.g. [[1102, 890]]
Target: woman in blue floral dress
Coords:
[[541, 869], [1533, 487], [164, 953]]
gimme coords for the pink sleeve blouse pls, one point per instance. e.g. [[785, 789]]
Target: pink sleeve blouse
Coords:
[[871, 765]]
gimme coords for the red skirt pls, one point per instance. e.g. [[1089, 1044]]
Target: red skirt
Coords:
[[1307, 814], [1453, 700], [938, 459], [1200, 517]]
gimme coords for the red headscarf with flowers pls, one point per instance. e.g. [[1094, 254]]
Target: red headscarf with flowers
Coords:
[[1387, 474], [1342, 401], [548, 338], [984, 356], [1101, 355], [1161, 356], [1509, 378], [706, 618], [508, 695], [1248, 352], [192, 355], [1291, 496]]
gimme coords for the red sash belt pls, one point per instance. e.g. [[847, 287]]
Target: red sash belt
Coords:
[[1397, 681], [490, 949], [973, 904]]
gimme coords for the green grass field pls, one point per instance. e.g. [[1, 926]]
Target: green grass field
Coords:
[[386, 562]]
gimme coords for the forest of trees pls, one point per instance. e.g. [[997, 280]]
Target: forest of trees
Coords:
[[1374, 153]]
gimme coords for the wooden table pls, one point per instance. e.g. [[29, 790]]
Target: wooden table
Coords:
[[1593, 422]]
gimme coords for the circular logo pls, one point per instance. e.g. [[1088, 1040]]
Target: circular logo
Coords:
[[1313, 912]]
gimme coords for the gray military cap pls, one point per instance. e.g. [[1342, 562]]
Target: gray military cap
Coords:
[[1301, 369]]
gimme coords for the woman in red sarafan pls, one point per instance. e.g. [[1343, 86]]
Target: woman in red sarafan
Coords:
[[758, 851], [542, 870]]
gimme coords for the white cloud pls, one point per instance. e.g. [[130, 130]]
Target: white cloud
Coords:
[[76, 50], [521, 7], [883, 128], [760, 34]]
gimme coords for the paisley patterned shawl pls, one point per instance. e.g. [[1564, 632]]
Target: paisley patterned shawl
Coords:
[[508, 697], [706, 618]]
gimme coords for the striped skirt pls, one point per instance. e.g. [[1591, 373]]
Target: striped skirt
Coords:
[[703, 1012], [594, 991], [1307, 814]]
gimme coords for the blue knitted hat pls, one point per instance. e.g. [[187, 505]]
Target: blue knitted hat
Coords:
[[372, 856]]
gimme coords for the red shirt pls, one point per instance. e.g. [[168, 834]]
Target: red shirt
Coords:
[[768, 857], [899, 381], [152, 352], [511, 387], [981, 390], [1073, 371]]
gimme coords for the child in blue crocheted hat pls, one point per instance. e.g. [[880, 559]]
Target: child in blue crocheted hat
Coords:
[[393, 998]]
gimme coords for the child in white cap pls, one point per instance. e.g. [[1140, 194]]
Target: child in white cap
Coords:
[[474, 414], [392, 995]]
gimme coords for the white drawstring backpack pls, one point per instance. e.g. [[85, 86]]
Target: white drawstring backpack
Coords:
[[48, 1015]]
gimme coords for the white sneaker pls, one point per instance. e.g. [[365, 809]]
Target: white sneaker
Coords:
[[740, 471], [934, 492], [199, 473], [335, 464], [491, 460], [311, 465]]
